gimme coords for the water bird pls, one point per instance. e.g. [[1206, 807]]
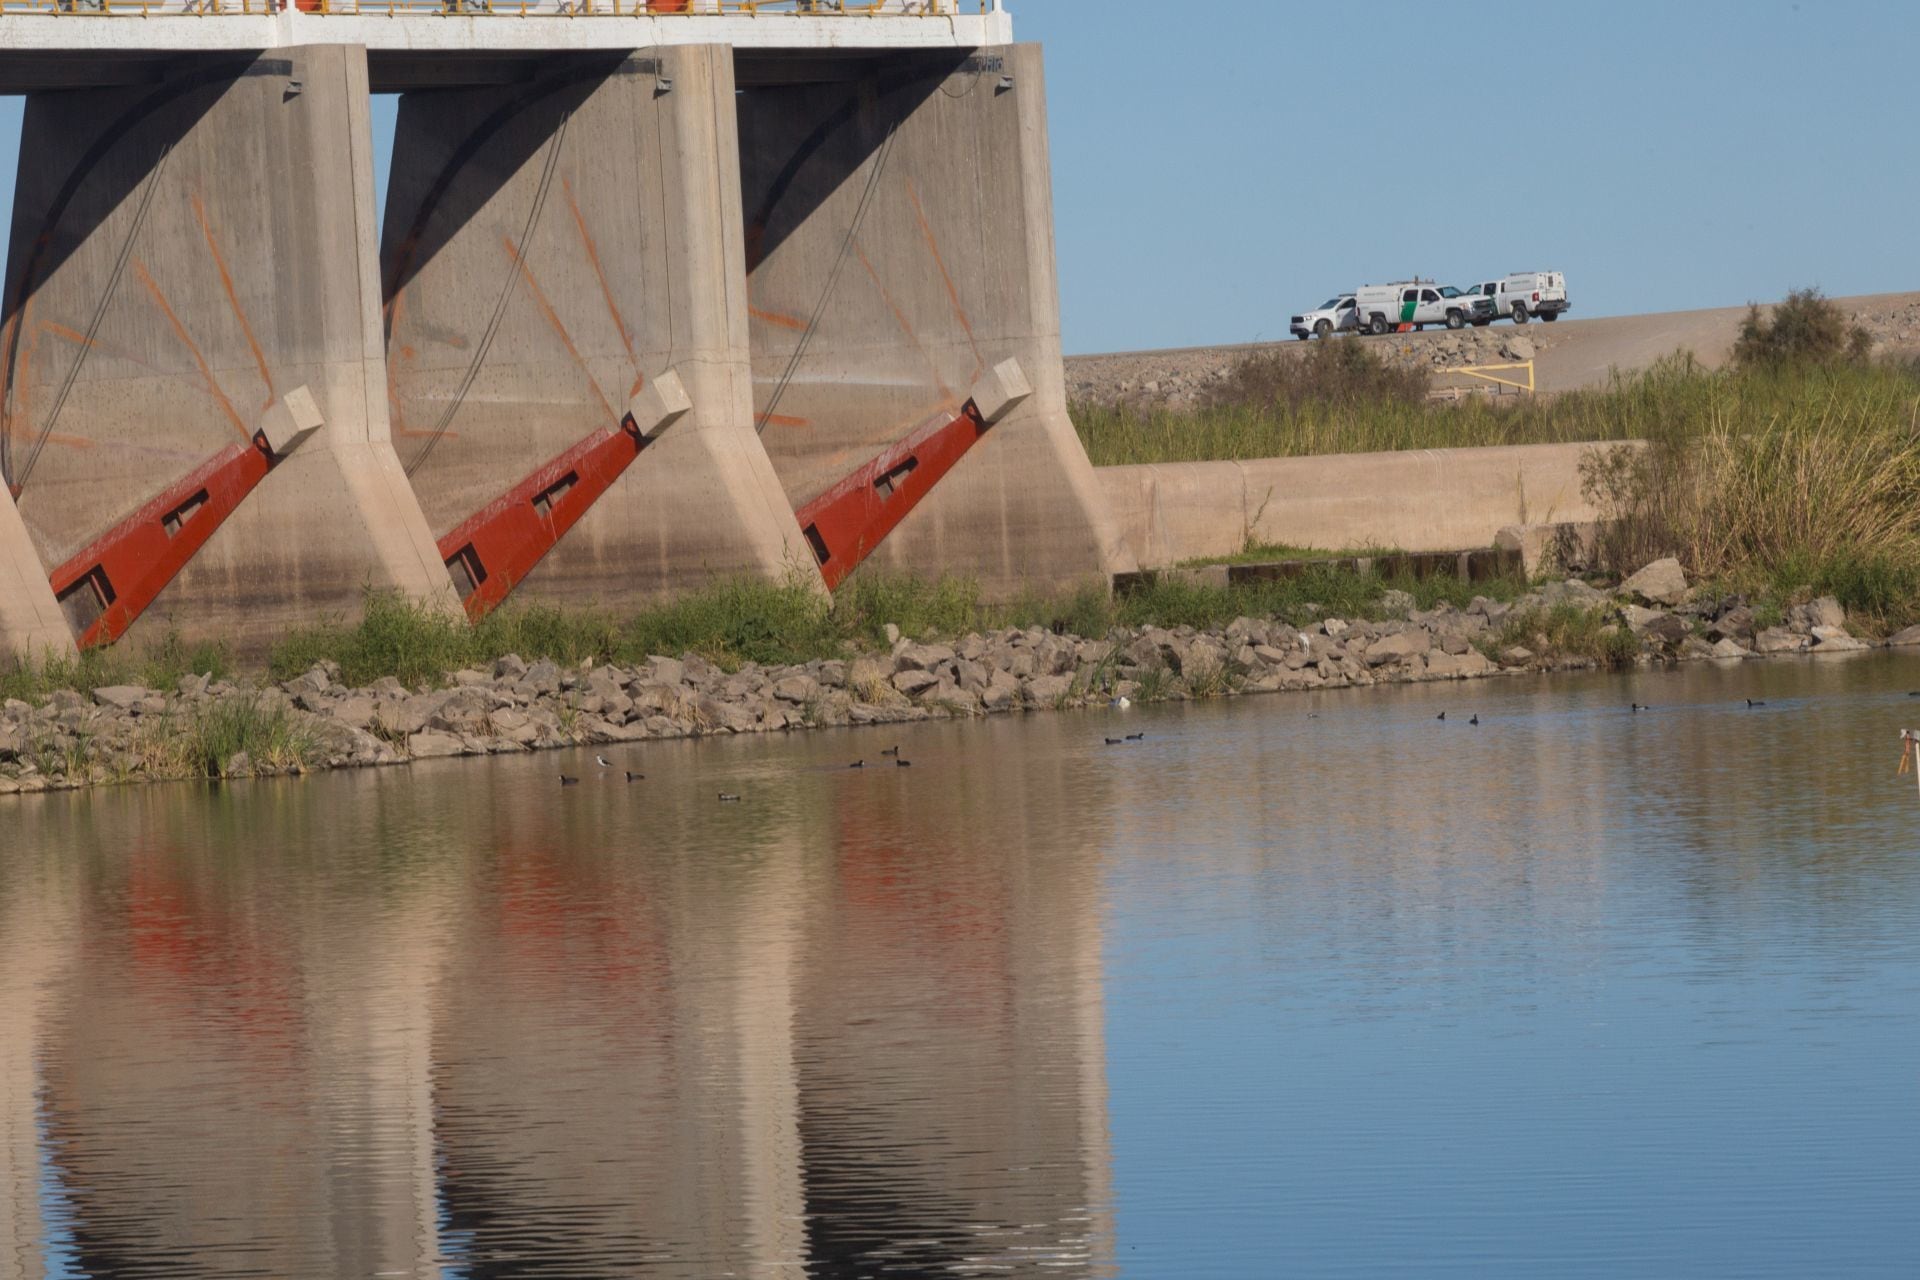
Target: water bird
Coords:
[[1441, 716], [893, 750], [565, 781], [903, 764], [858, 764], [1752, 703], [1136, 737], [727, 799], [1641, 706], [634, 777], [1114, 742], [603, 762], [1913, 693], [1474, 718]]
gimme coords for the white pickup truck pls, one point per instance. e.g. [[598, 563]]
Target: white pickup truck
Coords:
[[1525, 295], [1381, 307], [1330, 317]]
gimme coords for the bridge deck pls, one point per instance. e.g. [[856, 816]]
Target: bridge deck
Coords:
[[53, 44]]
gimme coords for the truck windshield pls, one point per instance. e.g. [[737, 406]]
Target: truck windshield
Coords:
[[1448, 291], [1329, 304]]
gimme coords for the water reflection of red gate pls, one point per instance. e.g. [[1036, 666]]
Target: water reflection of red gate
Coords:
[[200, 955], [560, 917], [930, 904]]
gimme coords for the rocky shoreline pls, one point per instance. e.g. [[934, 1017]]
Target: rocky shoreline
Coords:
[[129, 733]]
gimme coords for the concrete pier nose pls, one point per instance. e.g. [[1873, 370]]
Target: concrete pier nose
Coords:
[[550, 247], [185, 252], [899, 246], [30, 623]]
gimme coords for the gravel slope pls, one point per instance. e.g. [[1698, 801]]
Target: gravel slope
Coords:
[[1568, 353]]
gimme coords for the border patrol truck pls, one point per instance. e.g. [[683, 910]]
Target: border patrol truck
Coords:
[[1382, 307]]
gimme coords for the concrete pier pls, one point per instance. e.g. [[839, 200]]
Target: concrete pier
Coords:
[[899, 241], [184, 252], [549, 247], [30, 621], [826, 229]]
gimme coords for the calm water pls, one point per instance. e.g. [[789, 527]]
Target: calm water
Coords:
[[1308, 985]]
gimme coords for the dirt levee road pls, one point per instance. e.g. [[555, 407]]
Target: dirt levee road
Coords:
[[1568, 354]]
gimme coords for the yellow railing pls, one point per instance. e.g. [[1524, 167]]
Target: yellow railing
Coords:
[[1486, 381], [503, 8]]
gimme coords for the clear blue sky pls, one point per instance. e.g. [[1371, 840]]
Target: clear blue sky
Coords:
[[1221, 163]]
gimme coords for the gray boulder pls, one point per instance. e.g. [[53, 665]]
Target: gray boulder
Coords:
[[1662, 582], [1395, 648], [1044, 691], [121, 697], [431, 742], [1835, 640], [1779, 640], [913, 681], [1824, 612]]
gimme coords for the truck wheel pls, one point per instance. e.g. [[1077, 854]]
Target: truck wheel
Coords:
[[1376, 324], [1519, 313], [1322, 328], [1549, 316], [1455, 320]]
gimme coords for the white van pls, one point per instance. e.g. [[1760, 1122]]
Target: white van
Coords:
[[1525, 295], [1330, 317], [1419, 303]]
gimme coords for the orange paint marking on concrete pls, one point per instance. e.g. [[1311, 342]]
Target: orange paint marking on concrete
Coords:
[[407, 352], [953, 294], [546, 309], [593, 260], [776, 318], [74, 336], [180, 331], [23, 372], [79, 339], [784, 420], [901, 317], [639, 381], [233, 297], [396, 415], [20, 432]]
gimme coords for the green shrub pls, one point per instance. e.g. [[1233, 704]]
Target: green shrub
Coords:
[[1344, 372], [156, 665], [1807, 328]]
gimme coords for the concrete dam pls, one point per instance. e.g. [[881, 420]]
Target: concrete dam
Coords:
[[661, 291]]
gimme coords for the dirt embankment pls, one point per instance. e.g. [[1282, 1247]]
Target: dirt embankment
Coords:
[[1568, 354]]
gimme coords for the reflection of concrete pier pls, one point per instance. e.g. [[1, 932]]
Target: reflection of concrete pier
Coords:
[[37, 946], [827, 226], [447, 1025]]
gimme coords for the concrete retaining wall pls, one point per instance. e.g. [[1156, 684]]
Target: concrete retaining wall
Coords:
[[183, 254], [900, 241], [1417, 500]]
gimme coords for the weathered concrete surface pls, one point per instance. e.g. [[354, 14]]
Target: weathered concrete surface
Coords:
[[30, 621], [899, 243], [1416, 500], [548, 247], [184, 253]]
